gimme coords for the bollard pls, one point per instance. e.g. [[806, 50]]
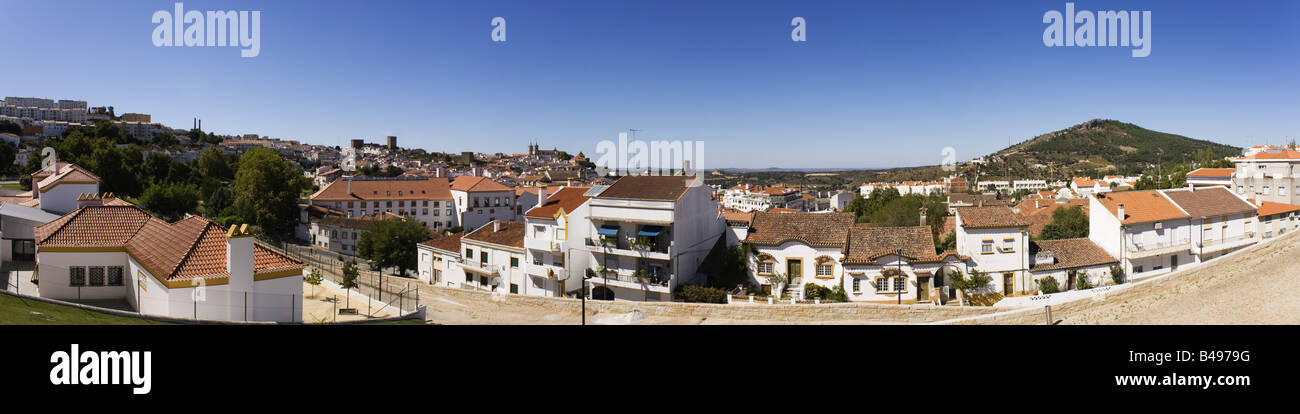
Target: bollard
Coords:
[[751, 298], [1049, 314]]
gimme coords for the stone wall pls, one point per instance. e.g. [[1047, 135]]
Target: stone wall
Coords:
[[757, 313]]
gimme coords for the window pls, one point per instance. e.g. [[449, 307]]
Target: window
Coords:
[[514, 262], [987, 247], [857, 285], [482, 257], [469, 254], [469, 278], [882, 284], [899, 283], [115, 276], [764, 268], [558, 260], [1008, 245], [482, 280], [76, 276], [825, 270], [96, 276], [514, 288]]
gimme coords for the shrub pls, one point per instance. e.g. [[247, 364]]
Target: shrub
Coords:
[[837, 295], [1048, 285], [1083, 283], [814, 291], [1117, 274], [693, 293]]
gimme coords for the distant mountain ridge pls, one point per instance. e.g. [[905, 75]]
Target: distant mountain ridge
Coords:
[[1107, 145]]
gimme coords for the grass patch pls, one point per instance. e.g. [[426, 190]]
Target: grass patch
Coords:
[[17, 311], [15, 186]]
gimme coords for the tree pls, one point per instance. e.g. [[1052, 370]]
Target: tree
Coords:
[[391, 243], [976, 281], [1117, 274], [1067, 223], [11, 128], [164, 139], [212, 164], [7, 155], [266, 192], [1083, 283], [947, 242], [1048, 285], [314, 279], [777, 280], [349, 282], [171, 201]]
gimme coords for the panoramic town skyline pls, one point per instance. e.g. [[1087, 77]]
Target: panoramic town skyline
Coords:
[[973, 76]]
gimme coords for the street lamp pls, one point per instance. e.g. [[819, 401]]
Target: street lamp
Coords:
[[899, 252]]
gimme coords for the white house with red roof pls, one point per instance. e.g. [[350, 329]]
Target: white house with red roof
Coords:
[[1205, 177], [118, 252], [1269, 174], [556, 232], [427, 199], [480, 200]]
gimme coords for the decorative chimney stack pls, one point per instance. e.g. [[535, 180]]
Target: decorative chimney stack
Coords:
[[349, 179], [239, 258], [541, 195], [496, 226], [1121, 212], [922, 223]]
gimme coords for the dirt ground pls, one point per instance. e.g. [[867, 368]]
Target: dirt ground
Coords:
[[320, 307]]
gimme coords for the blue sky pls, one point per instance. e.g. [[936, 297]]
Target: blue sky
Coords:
[[876, 84]]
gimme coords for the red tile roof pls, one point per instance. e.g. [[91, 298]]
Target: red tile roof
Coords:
[[1070, 254], [1212, 172], [1140, 206], [648, 187], [424, 188], [510, 233], [814, 229], [866, 244], [191, 248], [567, 199], [989, 217], [448, 243], [1206, 202], [1269, 208], [476, 184]]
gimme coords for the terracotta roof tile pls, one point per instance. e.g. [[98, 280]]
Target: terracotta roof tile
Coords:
[[450, 243], [1269, 208], [1070, 253], [510, 233], [476, 184], [1204, 202], [648, 187], [1140, 206], [990, 217], [816, 229], [567, 198], [866, 244], [1212, 172], [424, 188]]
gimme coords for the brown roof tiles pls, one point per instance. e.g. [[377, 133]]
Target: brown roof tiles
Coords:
[[815, 229], [648, 187]]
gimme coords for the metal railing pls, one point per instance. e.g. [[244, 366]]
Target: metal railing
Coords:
[[1160, 244]]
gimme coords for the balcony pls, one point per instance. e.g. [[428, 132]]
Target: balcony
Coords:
[[1215, 245], [644, 247], [1153, 248], [628, 278], [483, 268]]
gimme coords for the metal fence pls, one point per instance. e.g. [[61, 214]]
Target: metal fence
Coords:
[[386, 291]]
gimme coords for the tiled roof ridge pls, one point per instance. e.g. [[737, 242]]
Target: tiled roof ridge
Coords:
[[193, 246], [64, 223]]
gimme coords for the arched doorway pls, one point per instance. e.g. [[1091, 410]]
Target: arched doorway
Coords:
[[602, 293]]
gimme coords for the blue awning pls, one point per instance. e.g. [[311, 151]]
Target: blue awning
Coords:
[[650, 231], [608, 230]]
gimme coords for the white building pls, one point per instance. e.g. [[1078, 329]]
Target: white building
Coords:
[[494, 258], [1272, 173], [1206, 177], [480, 200], [422, 198], [439, 261], [802, 247], [841, 200], [191, 268], [651, 233], [1159, 231], [997, 241], [555, 238], [1084, 186]]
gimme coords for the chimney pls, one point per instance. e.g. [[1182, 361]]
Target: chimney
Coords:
[[541, 195], [1191, 187], [496, 226], [239, 258], [349, 184], [1035, 204], [922, 216], [1121, 212], [88, 199]]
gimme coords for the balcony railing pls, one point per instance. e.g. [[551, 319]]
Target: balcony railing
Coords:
[[1226, 240], [1155, 245], [629, 275], [625, 244]]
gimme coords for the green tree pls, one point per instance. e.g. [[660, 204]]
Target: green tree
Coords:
[[391, 243], [7, 155], [977, 280], [116, 168], [213, 164], [1067, 223], [266, 192], [164, 139], [349, 282], [171, 201], [1082, 283], [11, 128], [1116, 274], [1048, 285], [314, 279]]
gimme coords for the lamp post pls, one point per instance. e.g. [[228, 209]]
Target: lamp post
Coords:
[[899, 253]]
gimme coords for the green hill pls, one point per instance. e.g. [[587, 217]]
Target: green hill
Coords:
[[1102, 146]]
